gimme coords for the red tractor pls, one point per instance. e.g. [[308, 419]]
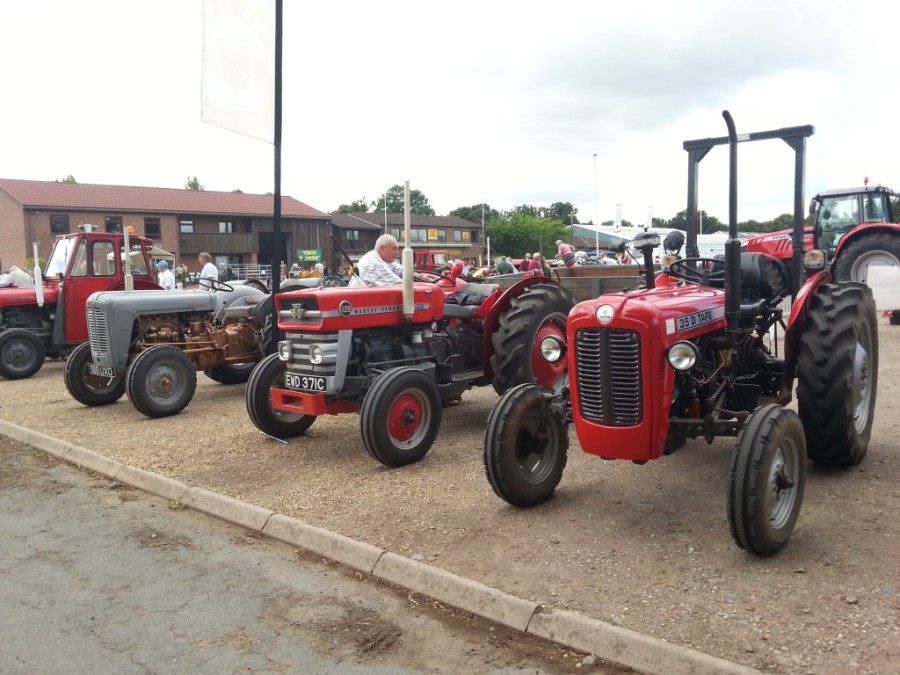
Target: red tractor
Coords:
[[49, 318], [693, 356], [396, 355]]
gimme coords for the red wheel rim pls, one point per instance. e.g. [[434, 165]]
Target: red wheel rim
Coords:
[[405, 417]]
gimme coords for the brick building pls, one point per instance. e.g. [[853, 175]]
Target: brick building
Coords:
[[235, 228]]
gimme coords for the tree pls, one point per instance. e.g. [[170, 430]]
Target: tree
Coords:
[[473, 213], [418, 202], [238, 191], [193, 184], [359, 206], [68, 179], [563, 212], [518, 233]]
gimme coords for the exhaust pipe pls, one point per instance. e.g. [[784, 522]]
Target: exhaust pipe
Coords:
[[732, 244], [408, 299]]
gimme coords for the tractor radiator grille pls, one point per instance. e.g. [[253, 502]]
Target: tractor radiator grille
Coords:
[[608, 363], [300, 344], [98, 331]]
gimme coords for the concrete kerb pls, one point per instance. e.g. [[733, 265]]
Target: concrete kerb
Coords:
[[628, 648]]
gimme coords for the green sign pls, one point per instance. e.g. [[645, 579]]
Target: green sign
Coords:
[[309, 255]]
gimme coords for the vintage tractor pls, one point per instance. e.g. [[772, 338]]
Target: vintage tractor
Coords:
[[49, 319], [692, 356], [397, 355], [152, 344]]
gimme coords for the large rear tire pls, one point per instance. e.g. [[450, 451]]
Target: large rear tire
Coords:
[[269, 373], [400, 416], [161, 381], [525, 446], [21, 353], [837, 373], [767, 480], [90, 390], [540, 312], [872, 249]]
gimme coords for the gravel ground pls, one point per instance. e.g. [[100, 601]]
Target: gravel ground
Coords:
[[645, 547]]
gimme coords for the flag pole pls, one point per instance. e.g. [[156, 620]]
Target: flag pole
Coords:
[[277, 253]]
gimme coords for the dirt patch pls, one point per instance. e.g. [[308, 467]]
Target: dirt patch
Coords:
[[644, 547]]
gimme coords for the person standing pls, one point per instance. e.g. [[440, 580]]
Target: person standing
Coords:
[[209, 273], [166, 278], [320, 268], [378, 266], [538, 263]]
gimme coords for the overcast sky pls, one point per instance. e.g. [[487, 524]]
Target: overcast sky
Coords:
[[488, 101]]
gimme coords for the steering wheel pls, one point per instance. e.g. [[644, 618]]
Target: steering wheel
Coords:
[[430, 278], [216, 285], [686, 269]]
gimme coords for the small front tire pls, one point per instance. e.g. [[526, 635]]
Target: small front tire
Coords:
[[161, 381], [400, 416], [21, 353], [269, 373], [90, 390], [525, 446], [767, 480]]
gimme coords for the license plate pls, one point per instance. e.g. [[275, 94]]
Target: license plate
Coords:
[[101, 371], [304, 382]]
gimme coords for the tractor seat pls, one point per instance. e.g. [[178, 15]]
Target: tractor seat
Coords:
[[243, 305], [762, 277], [464, 303]]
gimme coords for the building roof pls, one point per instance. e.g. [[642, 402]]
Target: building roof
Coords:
[[377, 219], [35, 194]]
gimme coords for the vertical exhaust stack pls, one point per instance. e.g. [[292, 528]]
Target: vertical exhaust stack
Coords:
[[38, 279], [732, 244], [408, 299]]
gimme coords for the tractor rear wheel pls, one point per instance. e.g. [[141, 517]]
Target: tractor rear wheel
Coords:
[[525, 446], [269, 373], [400, 416], [767, 480], [539, 313], [21, 353], [91, 390], [873, 249], [837, 373], [161, 381]]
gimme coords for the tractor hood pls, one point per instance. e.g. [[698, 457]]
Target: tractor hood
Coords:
[[13, 296], [668, 312]]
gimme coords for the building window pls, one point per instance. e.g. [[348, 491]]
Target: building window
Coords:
[[457, 235], [474, 236], [152, 228], [418, 234], [352, 235], [442, 235], [186, 226], [114, 224], [59, 224], [395, 233], [226, 227]]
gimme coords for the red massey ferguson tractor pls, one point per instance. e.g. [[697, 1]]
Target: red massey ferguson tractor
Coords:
[[49, 319], [396, 355], [690, 357]]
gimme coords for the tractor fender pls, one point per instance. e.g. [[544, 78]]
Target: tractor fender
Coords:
[[500, 303], [795, 325], [864, 230]]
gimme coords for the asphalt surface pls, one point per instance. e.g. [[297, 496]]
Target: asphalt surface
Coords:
[[98, 577]]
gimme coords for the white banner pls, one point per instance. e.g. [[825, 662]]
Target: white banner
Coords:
[[238, 77], [617, 223]]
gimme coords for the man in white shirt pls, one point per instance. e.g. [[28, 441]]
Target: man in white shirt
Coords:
[[378, 267], [166, 278], [209, 273]]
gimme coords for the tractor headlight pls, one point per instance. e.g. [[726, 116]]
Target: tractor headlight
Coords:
[[682, 355], [814, 259], [605, 314], [551, 349], [284, 350], [315, 355]]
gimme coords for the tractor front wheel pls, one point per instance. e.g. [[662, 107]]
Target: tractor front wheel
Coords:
[[837, 373], [525, 446], [269, 373], [21, 353], [161, 381], [538, 314], [400, 416], [767, 480], [88, 389]]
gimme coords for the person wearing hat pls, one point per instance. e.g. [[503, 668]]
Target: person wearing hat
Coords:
[[166, 278]]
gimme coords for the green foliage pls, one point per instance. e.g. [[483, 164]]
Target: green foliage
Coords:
[[564, 212], [418, 202], [238, 191], [359, 206], [518, 233], [473, 213], [29, 264], [193, 184], [68, 179]]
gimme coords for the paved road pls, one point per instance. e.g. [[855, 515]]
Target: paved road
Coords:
[[96, 577]]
